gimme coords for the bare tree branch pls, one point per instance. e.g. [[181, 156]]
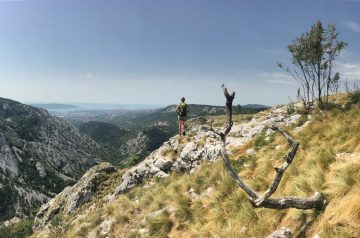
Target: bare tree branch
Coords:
[[229, 124], [280, 171], [317, 201]]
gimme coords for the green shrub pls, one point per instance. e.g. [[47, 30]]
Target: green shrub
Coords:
[[160, 226], [132, 161], [354, 96], [183, 214], [134, 234], [303, 118], [260, 141], [238, 164], [122, 219], [5, 232], [290, 108], [335, 231], [19, 230]]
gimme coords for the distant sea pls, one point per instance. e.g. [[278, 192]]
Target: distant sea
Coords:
[[72, 107]]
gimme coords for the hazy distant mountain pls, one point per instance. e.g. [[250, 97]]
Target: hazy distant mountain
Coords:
[[39, 155], [53, 106], [255, 106]]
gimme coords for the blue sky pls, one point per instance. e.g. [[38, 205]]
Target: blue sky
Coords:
[[155, 51]]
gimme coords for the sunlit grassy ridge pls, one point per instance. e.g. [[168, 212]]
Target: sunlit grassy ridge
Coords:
[[226, 212]]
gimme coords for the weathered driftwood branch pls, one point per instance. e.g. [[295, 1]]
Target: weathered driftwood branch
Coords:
[[317, 201], [280, 171]]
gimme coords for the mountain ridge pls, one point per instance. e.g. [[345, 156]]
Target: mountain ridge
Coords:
[[40, 155]]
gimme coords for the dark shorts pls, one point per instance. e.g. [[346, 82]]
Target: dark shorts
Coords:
[[182, 118]]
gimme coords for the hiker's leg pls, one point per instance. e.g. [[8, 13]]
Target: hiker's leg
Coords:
[[179, 121], [181, 126]]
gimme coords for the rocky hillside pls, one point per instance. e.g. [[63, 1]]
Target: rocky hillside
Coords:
[[178, 155], [39, 155], [182, 189]]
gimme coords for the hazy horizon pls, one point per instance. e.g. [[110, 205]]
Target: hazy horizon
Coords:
[[154, 52]]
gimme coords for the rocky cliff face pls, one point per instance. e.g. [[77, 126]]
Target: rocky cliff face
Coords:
[[39, 155]]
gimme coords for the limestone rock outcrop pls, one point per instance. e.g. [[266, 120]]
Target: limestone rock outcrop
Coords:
[[72, 197]]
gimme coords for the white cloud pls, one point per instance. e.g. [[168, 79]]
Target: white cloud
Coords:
[[277, 78], [352, 26], [278, 81], [274, 75], [348, 71]]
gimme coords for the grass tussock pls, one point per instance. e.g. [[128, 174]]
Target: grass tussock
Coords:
[[160, 226]]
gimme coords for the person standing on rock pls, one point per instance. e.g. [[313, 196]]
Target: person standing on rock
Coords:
[[182, 110]]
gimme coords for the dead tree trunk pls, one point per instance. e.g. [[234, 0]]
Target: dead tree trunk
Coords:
[[317, 201]]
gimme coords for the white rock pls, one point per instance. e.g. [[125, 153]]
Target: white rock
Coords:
[[284, 232], [250, 151], [143, 231], [207, 192], [269, 132], [163, 164], [348, 157], [106, 226], [193, 194], [12, 221], [188, 152], [300, 128], [154, 214], [41, 170]]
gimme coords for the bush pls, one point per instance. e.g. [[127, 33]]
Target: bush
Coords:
[[354, 97], [132, 161], [290, 108], [303, 118], [160, 226], [353, 93], [260, 141], [183, 214], [19, 230]]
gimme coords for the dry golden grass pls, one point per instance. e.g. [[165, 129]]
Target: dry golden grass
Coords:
[[220, 120]]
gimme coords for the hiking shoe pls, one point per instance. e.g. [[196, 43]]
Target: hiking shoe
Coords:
[[184, 133]]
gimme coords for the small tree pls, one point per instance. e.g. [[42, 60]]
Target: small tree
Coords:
[[313, 55]]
